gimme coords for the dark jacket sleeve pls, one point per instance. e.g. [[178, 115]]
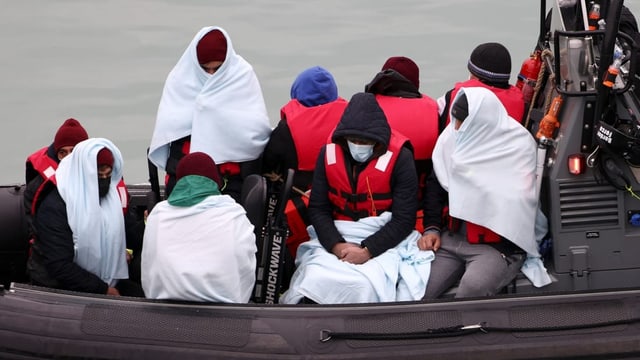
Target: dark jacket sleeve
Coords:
[[134, 231], [435, 200], [320, 208], [280, 152], [442, 119], [30, 192], [30, 173], [55, 247], [404, 185]]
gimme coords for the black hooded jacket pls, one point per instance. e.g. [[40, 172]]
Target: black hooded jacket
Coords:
[[52, 258], [390, 82], [364, 118]]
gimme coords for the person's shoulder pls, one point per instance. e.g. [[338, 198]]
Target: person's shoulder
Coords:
[[51, 205], [52, 196], [406, 152]]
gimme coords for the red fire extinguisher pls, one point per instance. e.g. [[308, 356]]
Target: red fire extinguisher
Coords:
[[528, 75]]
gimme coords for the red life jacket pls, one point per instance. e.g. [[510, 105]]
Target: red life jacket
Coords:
[[372, 194], [225, 169], [123, 194], [476, 234], [416, 119], [310, 127], [511, 98], [298, 220], [46, 167]]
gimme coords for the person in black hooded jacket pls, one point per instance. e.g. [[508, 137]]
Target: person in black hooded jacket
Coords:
[[366, 170]]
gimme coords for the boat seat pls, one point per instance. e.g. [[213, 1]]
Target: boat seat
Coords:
[[253, 197]]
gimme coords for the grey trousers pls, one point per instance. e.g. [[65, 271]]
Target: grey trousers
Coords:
[[480, 269]]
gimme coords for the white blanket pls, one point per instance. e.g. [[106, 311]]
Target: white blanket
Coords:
[[205, 252], [399, 274], [488, 167], [97, 225], [224, 113]]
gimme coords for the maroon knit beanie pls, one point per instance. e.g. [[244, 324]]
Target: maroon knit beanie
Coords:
[[105, 157], [70, 133], [406, 67], [212, 47], [198, 163]]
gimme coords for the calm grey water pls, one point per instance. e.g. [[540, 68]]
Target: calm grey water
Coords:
[[104, 62]]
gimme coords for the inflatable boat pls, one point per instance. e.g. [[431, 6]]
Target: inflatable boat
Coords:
[[583, 112]]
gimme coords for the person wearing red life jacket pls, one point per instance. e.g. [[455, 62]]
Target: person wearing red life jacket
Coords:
[[366, 171], [306, 122], [212, 103], [81, 236], [40, 180], [350, 188], [42, 164], [489, 67], [484, 172], [408, 112]]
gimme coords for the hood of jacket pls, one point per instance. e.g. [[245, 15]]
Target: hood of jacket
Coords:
[[363, 118]]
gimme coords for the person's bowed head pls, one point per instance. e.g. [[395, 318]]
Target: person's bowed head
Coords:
[[212, 51], [104, 162], [460, 110], [198, 164], [405, 67]]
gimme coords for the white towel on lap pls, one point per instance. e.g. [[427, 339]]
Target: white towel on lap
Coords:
[[400, 273]]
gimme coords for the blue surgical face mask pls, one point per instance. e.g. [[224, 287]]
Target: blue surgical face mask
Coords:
[[360, 153]]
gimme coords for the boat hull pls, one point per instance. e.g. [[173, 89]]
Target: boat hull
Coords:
[[42, 323]]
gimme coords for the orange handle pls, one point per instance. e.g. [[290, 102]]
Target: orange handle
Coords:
[[549, 122]]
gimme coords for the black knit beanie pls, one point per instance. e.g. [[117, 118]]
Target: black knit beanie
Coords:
[[491, 63]]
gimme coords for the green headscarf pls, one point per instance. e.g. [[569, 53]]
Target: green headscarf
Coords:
[[192, 189]]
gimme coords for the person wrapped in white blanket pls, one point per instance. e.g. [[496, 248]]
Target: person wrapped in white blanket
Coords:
[[81, 235], [211, 102], [198, 244], [363, 204], [484, 165]]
